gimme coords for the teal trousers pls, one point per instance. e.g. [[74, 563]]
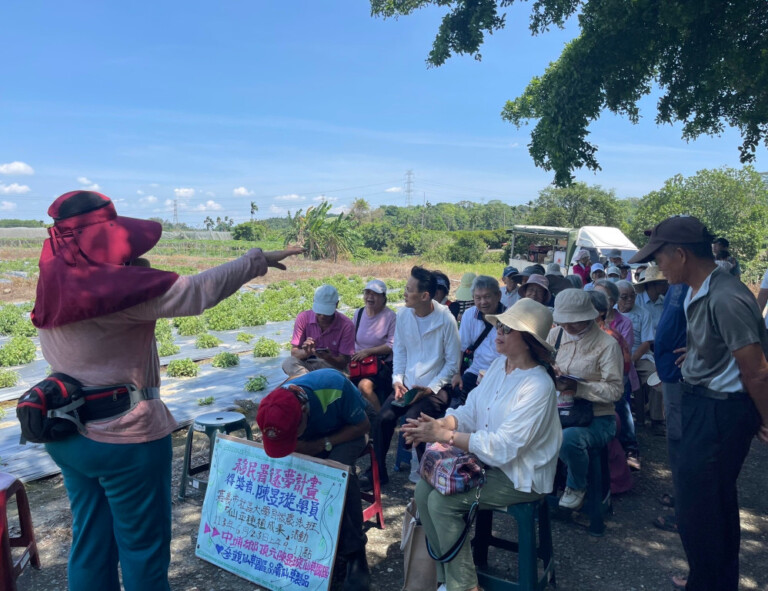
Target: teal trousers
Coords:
[[443, 520], [120, 496]]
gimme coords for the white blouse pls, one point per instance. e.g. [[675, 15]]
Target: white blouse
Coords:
[[514, 425]]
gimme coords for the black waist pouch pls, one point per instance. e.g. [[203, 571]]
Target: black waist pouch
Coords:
[[48, 411]]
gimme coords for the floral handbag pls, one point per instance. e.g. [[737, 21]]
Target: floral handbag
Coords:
[[451, 471]]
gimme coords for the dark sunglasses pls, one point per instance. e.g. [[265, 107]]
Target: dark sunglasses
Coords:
[[503, 328]]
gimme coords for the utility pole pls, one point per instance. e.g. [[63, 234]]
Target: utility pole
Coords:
[[408, 187]]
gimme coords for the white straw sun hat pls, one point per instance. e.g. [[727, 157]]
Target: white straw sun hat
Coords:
[[529, 316]]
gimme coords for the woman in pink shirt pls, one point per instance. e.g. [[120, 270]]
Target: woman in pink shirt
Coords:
[[95, 311]]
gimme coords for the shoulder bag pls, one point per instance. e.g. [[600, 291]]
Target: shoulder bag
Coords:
[[367, 367]]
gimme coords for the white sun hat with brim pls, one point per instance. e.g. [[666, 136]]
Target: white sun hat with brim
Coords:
[[529, 316], [652, 274], [573, 305]]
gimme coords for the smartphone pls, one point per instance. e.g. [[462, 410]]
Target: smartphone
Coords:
[[407, 398]]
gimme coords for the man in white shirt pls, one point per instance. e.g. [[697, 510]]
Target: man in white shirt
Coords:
[[478, 339], [425, 358]]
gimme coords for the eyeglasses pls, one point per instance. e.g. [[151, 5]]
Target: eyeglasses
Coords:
[[503, 328]]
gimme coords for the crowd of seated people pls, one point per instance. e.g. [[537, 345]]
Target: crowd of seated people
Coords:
[[443, 368]]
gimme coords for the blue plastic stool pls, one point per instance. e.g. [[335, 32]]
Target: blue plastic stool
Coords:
[[528, 552], [209, 424]]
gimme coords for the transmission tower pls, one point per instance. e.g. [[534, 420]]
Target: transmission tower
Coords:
[[408, 187], [175, 212]]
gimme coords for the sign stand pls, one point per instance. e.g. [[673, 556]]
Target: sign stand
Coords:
[[272, 521]]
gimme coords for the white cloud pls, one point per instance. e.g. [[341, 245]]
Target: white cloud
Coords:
[[16, 167], [324, 198], [277, 210], [208, 206], [338, 210], [149, 199], [87, 184], [7, 206], [13, 189], [210, 194], [168, 203], [241, 192], [291, 197], [184, 192], [139, 192], [394, 190]]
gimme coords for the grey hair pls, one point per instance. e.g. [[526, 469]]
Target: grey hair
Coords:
[[623, 283], [485, 282], [599, 301], [611, 287], [575, 281]]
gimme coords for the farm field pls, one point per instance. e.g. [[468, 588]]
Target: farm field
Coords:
[[632, 556]]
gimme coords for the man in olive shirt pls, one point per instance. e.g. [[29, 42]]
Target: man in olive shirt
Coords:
[[724, 403]]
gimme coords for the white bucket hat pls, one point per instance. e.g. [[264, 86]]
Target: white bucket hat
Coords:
[[573, 305], [529, 316]]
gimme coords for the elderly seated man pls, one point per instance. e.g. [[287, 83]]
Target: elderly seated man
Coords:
[[642, 356], [322, 338], [478, 339]]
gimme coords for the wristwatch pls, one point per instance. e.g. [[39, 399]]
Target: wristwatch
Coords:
[[328, 445]]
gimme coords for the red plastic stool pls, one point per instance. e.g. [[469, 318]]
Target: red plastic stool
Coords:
[[10, 571], [373, 497]]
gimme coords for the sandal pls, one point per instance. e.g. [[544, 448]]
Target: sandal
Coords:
[[667, 500], [666, 522], [679, 583]]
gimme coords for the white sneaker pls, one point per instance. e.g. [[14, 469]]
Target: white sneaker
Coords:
[[572, 498]]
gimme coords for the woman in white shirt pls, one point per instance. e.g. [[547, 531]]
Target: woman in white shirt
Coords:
[[510, 422]]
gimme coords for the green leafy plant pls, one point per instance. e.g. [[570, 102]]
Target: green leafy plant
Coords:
[[8, 378], [207, 341], [244, 337], [225, 359], [13, 322], [223, 316], [182, 368], [205, 401], [265, 347], [17, 351], [166, 348], [256, 384], [163, 331], [189, 325]]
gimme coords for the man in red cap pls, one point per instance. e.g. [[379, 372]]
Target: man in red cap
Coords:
[[323, 414], [724, 399], [95, 312]]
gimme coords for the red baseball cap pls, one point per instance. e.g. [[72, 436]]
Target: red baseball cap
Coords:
[[279, 417]]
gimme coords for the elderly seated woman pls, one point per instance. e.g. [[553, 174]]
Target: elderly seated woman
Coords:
[[536, 288], [510, 422], [594, 358]]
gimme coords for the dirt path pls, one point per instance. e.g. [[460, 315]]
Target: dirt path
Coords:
[[633, 555]]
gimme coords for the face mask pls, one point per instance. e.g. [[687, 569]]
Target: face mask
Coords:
[[579, 335]]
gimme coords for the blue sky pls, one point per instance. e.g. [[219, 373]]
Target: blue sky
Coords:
[[217, 104]]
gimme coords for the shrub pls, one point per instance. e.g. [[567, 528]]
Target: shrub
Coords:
[[17, 351], [249, 231], [24, 328], [467, 249], [225, 360], [166, 348], [265, 347], [207, 341], [182, 368], [163, 330], [13, 322], [8, 378], [205, 401], [244, 337], [223, 316], [256, 384], [188, 326]]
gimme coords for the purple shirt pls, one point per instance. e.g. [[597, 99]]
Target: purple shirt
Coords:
[[339, 337], [375, 331]]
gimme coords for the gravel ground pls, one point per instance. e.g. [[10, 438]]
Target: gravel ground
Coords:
[[633, 554]]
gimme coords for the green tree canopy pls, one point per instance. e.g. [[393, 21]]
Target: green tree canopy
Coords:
[[731, 203], [575, 206], [710, 59]]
